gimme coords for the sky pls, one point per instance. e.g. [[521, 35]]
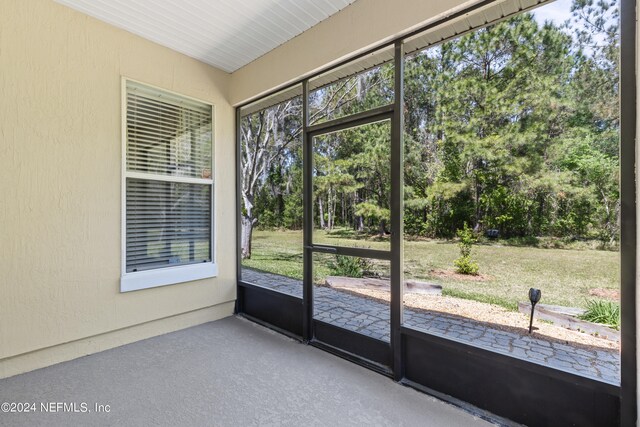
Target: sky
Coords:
[[558, 12]]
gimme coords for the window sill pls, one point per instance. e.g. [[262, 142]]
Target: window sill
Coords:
[[167, 276]]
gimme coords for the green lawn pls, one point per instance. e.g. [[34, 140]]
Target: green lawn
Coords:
[[564, 275]]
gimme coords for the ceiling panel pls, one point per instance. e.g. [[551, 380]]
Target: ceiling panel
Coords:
[[227, 34]]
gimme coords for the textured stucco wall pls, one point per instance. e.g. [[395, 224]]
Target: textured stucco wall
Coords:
[[356, 28], [60, 172]]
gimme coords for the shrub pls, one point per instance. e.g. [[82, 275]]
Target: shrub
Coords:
[[349, 266], [604, 312], [465, 264]]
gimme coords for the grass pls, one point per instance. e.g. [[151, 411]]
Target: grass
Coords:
[[604, 312], [565, 276]]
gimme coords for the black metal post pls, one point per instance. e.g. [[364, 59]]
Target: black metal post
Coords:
[[533, 307], [307, 200], [239, 301], [628, 240], [397, 221]]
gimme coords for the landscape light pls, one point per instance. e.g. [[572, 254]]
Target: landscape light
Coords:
[[534, 297]]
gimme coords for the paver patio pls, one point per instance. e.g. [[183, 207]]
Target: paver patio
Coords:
[[372, 318]]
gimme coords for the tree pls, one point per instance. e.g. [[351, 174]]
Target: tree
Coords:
[[491, 118], [273, 136], [267, 138], [514, 127]]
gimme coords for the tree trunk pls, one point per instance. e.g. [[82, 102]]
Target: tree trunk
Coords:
[[329, 213], [334, 209], [344, 211], [247, 232], [478, 218], [321, 212]]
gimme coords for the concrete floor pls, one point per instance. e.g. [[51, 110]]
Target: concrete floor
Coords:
[[225, 373]]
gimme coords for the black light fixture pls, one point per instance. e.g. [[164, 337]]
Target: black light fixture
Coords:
[[534, 297]]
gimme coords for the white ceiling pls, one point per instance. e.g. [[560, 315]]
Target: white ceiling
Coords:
[[227, 34]]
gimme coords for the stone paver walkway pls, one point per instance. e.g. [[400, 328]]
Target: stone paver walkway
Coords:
[[371, 318]]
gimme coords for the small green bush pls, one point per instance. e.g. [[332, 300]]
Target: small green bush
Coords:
[[604, 312], [467, 239], [465, 264], [348, 266]]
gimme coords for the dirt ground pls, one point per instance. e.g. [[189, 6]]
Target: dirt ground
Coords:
[[494, 316], [611, 294]]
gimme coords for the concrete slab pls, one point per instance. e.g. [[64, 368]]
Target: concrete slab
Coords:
[[224, 373]]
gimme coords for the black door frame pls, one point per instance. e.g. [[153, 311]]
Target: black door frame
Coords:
[[375, 353]]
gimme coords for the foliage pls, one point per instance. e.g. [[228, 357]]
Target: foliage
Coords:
[[605, 312], [348, 266], [464, 264], [467, 239], [372, 213], [512, 127]]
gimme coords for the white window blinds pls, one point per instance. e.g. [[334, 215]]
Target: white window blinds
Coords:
[[169, 183]]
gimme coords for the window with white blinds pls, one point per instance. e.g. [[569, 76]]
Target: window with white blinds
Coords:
[[168, 181]]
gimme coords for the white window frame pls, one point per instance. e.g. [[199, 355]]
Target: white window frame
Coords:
[[133, 281]]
